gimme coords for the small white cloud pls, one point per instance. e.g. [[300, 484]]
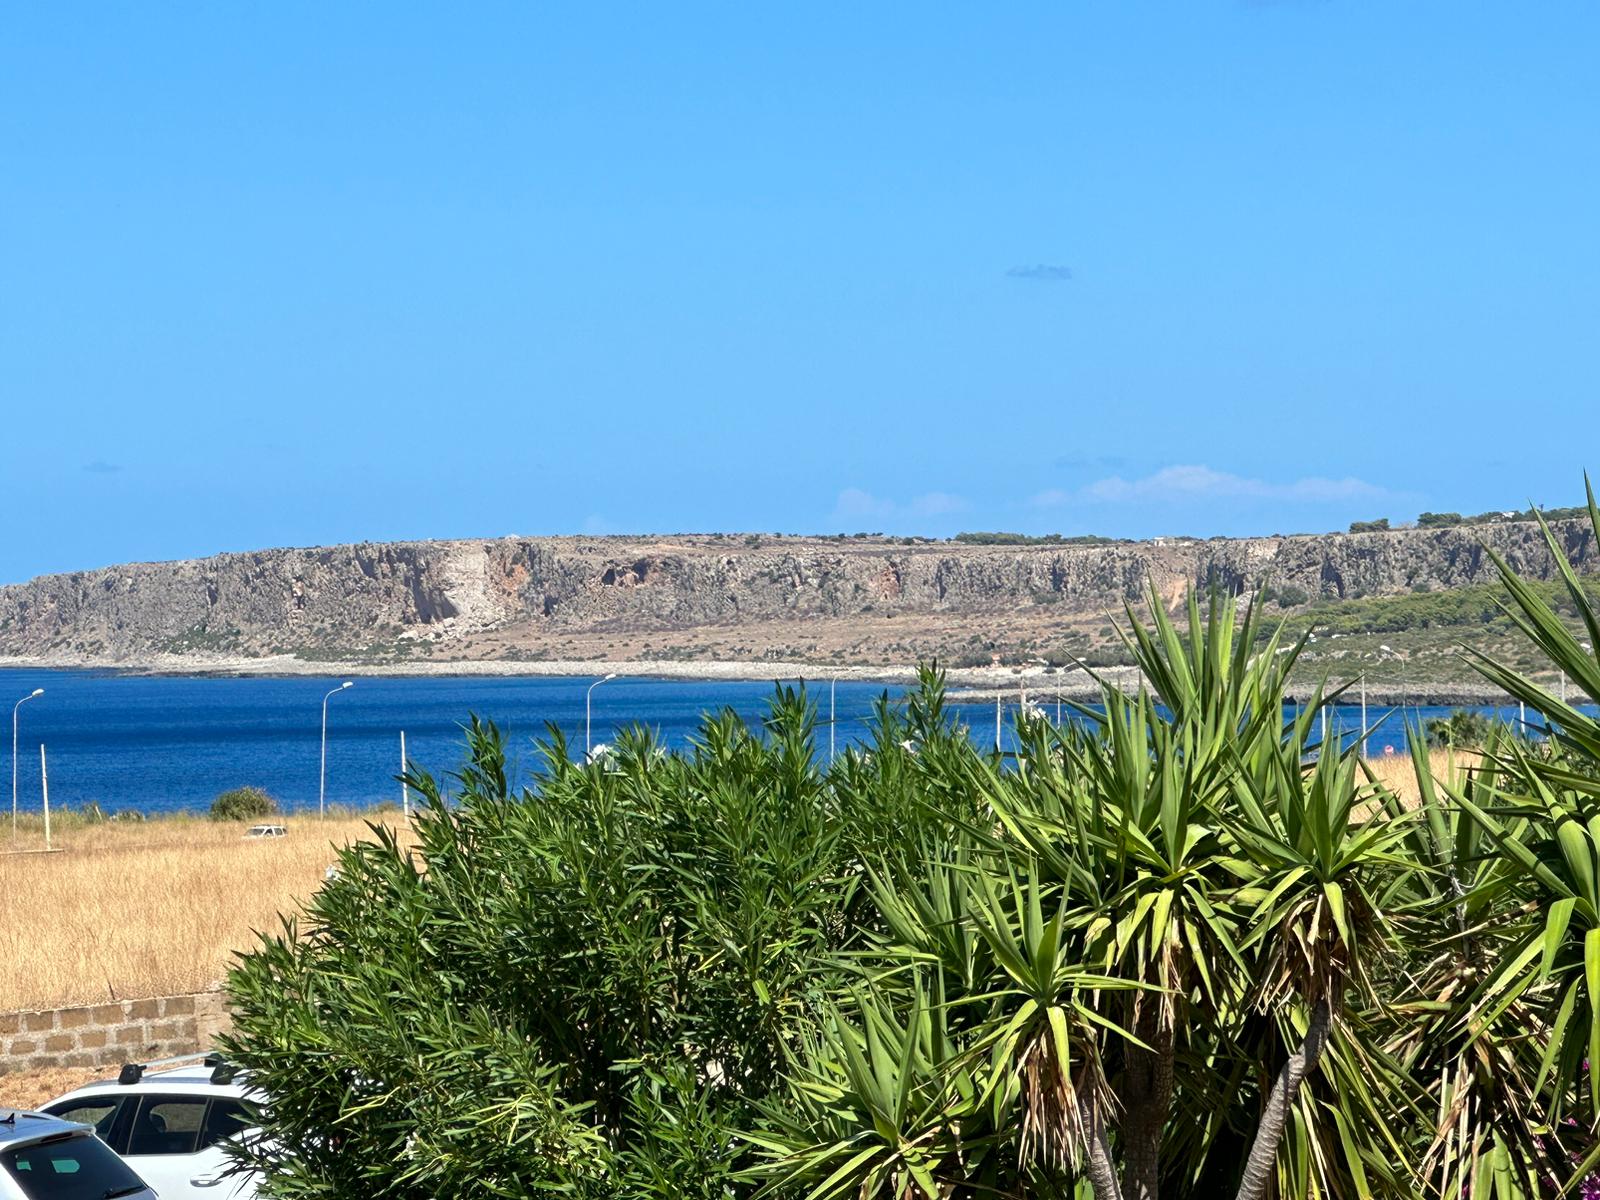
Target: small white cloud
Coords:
[[1202, 483], [1045, 272], [936, 504], [856, 503], [853, 502]]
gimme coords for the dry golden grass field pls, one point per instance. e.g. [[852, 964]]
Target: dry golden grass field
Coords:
[[150, 908], [1396, 773], [30, 1089]]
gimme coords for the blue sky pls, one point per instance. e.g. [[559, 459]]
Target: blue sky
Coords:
[[298, 274]]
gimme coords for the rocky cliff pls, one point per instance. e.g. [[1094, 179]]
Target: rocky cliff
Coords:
[[467, 599]]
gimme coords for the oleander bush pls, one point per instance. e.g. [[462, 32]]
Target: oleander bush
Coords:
[[1171, 946], [1463, 729]]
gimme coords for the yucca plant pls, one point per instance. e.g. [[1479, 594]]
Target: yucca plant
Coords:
[[885, 1104], [1152, 923], [1470, 1057], [1314, 869]]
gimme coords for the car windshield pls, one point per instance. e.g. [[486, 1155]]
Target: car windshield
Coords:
[[74, 1167]]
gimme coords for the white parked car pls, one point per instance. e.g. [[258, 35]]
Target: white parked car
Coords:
[[45, 1158], [170, 1126]]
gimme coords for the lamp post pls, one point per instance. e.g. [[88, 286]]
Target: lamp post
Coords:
[[832, 685], [588, 713], [1363, 753], [322, 774], [1586, 646], [1405, 676], [14, 708], [1405, 687]]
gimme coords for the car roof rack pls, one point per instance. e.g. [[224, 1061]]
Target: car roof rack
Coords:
[[222, 1071]]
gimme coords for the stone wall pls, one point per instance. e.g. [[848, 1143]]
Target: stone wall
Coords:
[[103, 1035]]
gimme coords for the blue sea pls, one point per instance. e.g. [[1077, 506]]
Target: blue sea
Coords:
[[171, 743]]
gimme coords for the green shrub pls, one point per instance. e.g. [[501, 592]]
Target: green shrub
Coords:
[[243, 804], [1462, 729], [581, 989]]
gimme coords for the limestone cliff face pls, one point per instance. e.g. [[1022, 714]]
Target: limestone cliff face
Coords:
[[347, 599]]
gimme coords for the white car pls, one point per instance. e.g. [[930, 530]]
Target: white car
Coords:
[[170, 1126], [45, 1158]]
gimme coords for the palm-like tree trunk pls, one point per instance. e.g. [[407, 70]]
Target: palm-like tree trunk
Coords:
[[1258, 1168], [1146, 1098], [1101, 1170]]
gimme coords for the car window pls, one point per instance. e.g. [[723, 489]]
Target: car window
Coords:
[[224, 1119], [167, 1125], [99, 1111], [72, 1168]]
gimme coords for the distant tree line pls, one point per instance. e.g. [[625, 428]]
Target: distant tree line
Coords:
[[1433, 520], [1028, 539], [1447, 520]]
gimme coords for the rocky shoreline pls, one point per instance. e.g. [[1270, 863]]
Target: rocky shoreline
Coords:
[[970, 684]]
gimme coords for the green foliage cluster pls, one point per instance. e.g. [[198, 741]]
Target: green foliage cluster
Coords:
[[1286, 596], [584, 987], [1173, 946], [1433, 520], [243, 804], [1462, 729], [1381, 525]]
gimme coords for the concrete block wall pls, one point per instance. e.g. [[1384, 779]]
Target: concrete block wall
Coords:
[[103, 1035]]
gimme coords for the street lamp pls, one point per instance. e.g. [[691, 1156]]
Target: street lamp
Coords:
[[14, 708], [588, 713], [1363, 751], [1586, 646], [832, 686], [1405, 681], [322, 774], [1405, 685]]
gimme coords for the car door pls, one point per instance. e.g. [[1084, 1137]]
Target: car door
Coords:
[[163, 1142], [212, 1169]]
